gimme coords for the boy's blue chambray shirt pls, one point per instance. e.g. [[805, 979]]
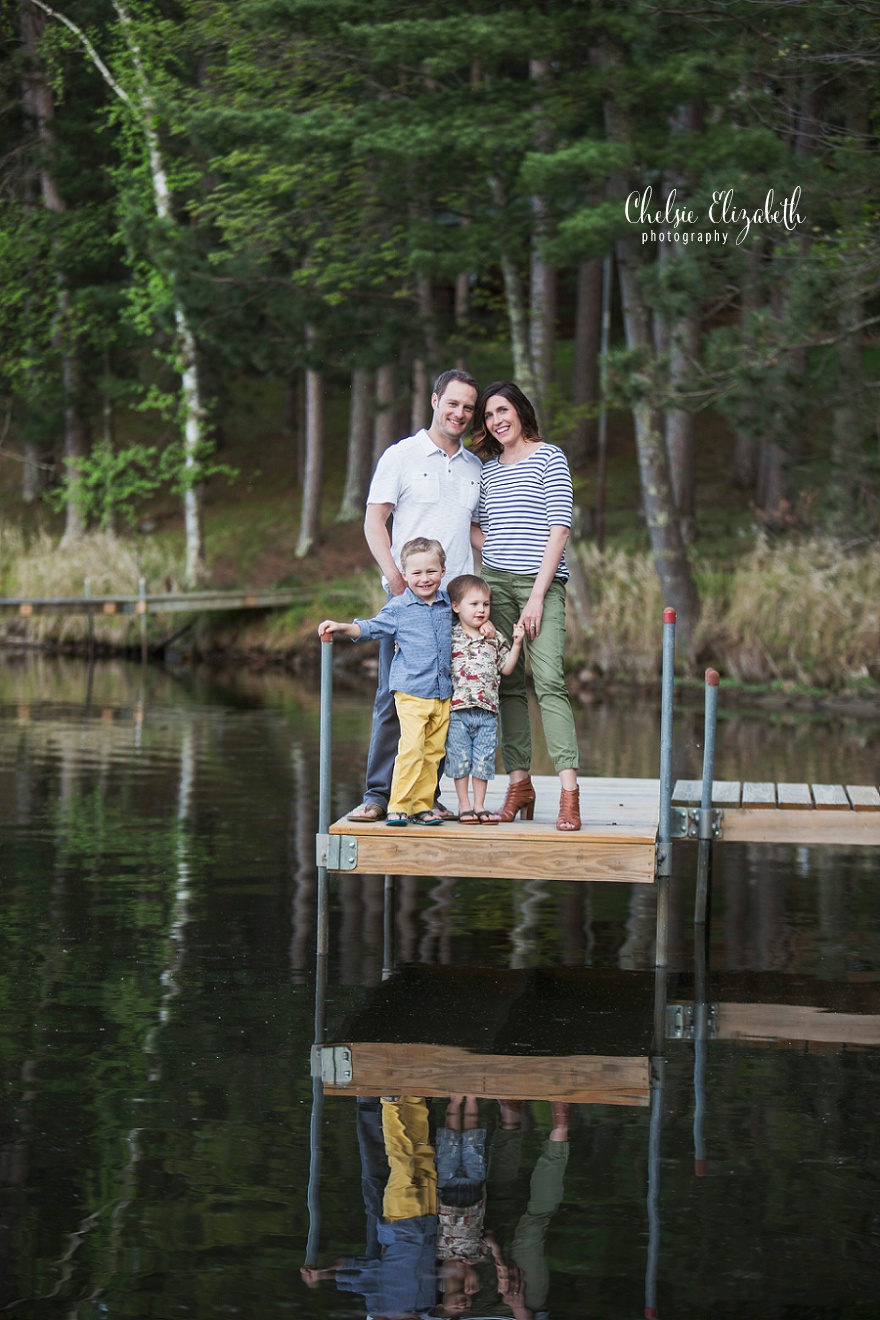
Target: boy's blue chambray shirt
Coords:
[[423, 632]]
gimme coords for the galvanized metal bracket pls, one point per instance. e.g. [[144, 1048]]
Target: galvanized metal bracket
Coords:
[[337, 852], [678, 823], [332, 1063], [681, 1022], [705, 824]]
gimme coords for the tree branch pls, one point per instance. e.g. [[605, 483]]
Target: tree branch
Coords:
[[88, 47]]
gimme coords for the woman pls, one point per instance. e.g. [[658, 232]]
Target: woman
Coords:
[[525, 519]]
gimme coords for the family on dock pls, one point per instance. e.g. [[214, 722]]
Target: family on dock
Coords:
[[447, 671]]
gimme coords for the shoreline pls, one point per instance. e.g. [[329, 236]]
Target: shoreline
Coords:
[[358, 673]]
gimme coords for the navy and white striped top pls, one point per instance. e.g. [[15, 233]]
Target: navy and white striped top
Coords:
[[519, 503]]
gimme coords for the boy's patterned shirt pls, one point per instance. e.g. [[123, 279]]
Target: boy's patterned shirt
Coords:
[[476, 669]]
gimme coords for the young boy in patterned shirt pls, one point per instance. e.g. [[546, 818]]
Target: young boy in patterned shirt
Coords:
[[478, 663]]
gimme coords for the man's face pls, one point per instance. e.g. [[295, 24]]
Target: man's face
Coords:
[[453, 409]]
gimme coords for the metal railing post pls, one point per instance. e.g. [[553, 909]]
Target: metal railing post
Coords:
[[664, 824], [324, 755]]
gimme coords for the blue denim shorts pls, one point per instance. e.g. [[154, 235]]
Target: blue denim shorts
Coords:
[[471, 743], [460, 1156]]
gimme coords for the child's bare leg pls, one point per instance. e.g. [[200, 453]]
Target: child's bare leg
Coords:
[[479, 794], [471, 1113], [453, 1113], [461, 792]]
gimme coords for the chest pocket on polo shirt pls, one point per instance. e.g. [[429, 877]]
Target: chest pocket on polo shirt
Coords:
[[468, 491], [425, 488]]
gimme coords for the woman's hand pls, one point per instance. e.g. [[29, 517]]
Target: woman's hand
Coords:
[[531, 617]]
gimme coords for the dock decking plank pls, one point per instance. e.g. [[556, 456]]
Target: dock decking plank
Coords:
[[863, 797], [830, 797], [724, 793], [760, 796], [795, 797]]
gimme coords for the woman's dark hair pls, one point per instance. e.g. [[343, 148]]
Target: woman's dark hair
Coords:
[[482, 443]]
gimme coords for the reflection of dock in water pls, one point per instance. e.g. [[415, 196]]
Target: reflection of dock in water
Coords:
[[619, 835], [567, 1034], [573, 1034], [784, 1012]]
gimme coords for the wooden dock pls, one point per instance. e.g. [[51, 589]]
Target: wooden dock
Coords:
[[618, 840]]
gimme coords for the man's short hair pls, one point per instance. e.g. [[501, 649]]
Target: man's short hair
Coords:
[[447, 377], [465, 582], [422, 545]]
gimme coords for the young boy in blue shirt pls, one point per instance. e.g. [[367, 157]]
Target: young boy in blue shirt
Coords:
[[420, 621]]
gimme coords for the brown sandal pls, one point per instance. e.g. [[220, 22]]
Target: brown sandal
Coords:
[[569, 817], [520, 797]]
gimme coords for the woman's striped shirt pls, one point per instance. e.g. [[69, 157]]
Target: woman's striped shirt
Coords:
[[519, 503]]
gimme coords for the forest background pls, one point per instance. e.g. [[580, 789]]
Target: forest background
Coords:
[[239, 237]]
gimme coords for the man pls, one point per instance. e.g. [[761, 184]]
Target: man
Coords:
[[430, 484]]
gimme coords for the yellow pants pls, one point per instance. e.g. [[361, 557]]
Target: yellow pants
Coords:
[[411, 1190], [423, 725]]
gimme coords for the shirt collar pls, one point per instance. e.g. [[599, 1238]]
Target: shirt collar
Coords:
[[429, 448], [410, 598]]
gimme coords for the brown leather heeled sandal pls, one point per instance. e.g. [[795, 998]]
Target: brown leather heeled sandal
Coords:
[[569, 818], [520, 797]]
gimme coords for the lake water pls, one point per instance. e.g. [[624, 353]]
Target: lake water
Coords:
[[157, 981]]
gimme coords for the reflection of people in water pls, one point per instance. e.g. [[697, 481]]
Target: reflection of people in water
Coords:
[[522, 1270], [397, 1275], [463, 1241]]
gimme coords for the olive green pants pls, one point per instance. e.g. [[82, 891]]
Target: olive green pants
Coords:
[[510, 591]]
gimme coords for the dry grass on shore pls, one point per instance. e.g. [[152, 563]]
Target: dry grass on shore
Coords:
[[47, 569], [804, 611]]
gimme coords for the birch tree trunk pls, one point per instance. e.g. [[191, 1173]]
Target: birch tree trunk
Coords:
[[310, 519], [143, 106], [359, 458]]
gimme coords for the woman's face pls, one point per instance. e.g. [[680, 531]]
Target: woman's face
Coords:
[[502, 421]]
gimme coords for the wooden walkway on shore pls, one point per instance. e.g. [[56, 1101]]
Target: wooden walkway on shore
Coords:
[[619, 834], [166, 602]]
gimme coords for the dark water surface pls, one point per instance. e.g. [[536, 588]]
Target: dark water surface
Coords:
[[157, 984]]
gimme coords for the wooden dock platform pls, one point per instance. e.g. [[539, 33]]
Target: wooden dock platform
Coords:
[[616, 843], [618, 840]]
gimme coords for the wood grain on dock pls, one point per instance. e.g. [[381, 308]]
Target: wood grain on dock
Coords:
[[383, 1068]]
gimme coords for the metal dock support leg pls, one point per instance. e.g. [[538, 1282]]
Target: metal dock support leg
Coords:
[[388, 927], [706, 830], [655, 1130], [317, 1116], [664, 826]]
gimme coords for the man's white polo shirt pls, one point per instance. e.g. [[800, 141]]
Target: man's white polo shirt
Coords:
[[432, 495]]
